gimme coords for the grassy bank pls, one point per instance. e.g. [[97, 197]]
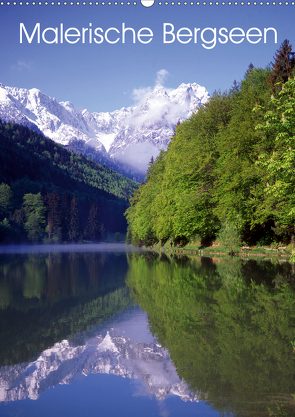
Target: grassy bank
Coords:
[[282, 252]]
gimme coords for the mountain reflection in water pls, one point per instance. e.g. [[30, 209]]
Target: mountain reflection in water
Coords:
[[108, 349], [211, 336], [75, 308]]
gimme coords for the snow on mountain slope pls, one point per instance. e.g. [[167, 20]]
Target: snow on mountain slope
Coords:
[[131, 135], [106, 352]]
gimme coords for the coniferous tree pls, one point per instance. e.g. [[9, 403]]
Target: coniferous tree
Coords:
[[5, 199], [282, 67], [250, 68], [93, 227], [235, 87], [19, 216], [53, 205], [102, 230], [65, 215], [74, 227], [85, 209], [150, 168]]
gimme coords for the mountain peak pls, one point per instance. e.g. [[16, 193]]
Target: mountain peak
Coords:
[[131, 135], [159, 88]]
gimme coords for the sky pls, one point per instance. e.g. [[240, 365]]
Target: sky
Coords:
[[111, 72]]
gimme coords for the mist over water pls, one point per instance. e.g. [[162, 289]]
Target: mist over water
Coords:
[[85, 247]]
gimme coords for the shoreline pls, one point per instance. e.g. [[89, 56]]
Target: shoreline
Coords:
[[248, 254]]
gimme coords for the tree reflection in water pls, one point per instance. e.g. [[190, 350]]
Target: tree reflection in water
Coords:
[[228, 324], [47, 297]]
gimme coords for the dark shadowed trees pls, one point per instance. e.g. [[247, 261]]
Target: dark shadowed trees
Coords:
[[92, 230], [74, 226], [53, 205], [282, 67]]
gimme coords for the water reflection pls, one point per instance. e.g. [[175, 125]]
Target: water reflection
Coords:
[[47, 297], [113, 348], [228, 325], [61, 320]]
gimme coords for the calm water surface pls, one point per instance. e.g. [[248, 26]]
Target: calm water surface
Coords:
[[112, 331]]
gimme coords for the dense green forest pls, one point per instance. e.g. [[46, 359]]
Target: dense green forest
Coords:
[[49, 193], [229, 167], [228, 325]]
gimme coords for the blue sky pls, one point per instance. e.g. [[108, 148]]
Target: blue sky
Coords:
[[105, 76]]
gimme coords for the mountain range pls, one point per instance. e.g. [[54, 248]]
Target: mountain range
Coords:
[[130, 135], [121, 348]]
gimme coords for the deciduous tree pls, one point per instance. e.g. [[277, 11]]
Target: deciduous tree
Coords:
[[35, 216], [279, 123]]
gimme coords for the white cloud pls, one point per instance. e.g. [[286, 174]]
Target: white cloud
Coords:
[[138, 155], [153, 109], [158, 110], [22, 65], [161, 76], [139, 95]]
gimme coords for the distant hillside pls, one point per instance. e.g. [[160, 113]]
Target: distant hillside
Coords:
[[32, 164], [81, 147]]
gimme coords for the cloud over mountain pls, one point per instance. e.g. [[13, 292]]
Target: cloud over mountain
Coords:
[[150, 122]]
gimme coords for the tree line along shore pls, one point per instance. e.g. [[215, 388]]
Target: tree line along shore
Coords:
[[228, 173], [49, 194]]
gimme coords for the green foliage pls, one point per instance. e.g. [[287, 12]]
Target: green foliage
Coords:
[[184, 204], [278, 411], [279, 124], [229, 235], [35, 216], [238, 180], [5, 229], [227, 333], [209, 173], [32, 164], [5, 199], [195, 239], [140, 214]]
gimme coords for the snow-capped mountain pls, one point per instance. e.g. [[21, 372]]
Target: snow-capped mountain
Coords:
[[108, 351], [131, 135]]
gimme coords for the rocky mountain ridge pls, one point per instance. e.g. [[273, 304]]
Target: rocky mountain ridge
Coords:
[[130, 135]]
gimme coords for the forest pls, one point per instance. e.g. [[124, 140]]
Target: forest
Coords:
[[228, 169], [50, 194]]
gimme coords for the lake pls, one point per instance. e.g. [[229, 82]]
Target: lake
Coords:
[[117, 331]]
